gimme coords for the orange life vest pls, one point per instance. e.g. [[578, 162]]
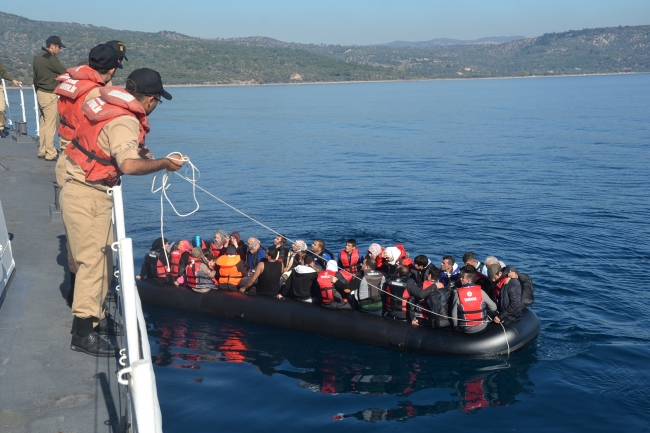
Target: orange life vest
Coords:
[[228, 272], [351, 263], [75, 85], [113, 102]]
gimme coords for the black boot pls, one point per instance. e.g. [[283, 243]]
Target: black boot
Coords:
[[86, 340], [109, 326], [71, 291]]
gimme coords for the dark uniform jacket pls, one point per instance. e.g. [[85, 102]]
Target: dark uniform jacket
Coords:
[[46, 68]]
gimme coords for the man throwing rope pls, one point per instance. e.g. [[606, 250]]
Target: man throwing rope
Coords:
[[107, 145]]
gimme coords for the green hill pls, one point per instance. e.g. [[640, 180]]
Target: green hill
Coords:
[[183, 59]]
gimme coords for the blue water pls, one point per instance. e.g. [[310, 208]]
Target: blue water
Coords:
[[549, 175]]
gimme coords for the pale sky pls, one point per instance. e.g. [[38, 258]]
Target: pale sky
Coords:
[[346, 22]]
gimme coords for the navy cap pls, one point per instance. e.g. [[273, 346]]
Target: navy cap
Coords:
[[54, 40], [119, 47], [103, 56], [146, 81]]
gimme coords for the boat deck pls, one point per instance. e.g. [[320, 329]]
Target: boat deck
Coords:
[[44, 386]]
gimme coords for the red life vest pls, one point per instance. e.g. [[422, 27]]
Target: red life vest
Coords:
[[192, 272], [215, 251], [175, 263], [326, 286], [75, 85], [397, 287], [114, 102], [499, 285], [350, 264], [471, 307]]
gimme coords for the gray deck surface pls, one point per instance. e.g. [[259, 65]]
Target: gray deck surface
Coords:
[[44, 386]]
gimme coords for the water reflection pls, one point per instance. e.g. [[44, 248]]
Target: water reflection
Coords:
[[331, 366]]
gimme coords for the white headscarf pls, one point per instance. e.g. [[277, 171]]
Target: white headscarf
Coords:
[[332, 266], [393, 253]]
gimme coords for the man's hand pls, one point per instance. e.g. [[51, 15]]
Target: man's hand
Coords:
[[333, 280], [496, 320], [414, 322], [176, 162], [17, 83]]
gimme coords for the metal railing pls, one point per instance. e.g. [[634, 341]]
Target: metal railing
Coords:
[[137, 374], [22, 106]]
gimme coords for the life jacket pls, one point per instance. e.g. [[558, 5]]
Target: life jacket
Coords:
[[373, 278], [192, 272], [499, 285], [215, 251], [326, 286], [75, 85], [156, 267], [228, 272], [350, 262], [397, 286], [471, 308], [175, 263], [112, 103]]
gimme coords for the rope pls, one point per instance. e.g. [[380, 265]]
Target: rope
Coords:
[[166, 183], [506, 336]]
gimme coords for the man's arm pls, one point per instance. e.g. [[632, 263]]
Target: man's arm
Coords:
[[146, 166], [258, 270], [415, 290]]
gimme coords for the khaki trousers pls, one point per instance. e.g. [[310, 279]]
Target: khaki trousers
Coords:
[[48, 123], [3, 109], [87, 214]]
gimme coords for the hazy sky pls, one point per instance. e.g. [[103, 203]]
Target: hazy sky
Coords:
[[345, 22]]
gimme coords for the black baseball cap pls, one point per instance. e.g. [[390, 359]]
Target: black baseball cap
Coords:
[[103, 56], [146, 81], [54, 40], [119, 47]]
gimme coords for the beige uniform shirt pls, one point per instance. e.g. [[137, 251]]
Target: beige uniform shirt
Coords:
[[119, 139]]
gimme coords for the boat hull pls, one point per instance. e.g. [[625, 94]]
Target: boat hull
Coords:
[[350, 325]]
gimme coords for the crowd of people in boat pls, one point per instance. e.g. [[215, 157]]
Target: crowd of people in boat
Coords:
[[466, 297]]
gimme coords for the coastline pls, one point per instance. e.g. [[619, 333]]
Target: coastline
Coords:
[[403, 81]]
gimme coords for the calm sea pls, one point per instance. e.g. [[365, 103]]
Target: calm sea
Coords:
[[549, 175]]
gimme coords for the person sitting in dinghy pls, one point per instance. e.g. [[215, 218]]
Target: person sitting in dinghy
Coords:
[[470, 304]]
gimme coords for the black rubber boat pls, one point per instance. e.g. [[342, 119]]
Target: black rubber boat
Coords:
[[346, 324]]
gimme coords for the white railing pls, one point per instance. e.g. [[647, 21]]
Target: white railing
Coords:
[[22, 106], [138, 376]]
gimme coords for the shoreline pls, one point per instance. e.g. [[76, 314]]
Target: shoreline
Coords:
[[403, 81]]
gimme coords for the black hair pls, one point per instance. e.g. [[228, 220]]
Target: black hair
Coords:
[[421, 260], [469, 271], [352, 241], [450, 259]]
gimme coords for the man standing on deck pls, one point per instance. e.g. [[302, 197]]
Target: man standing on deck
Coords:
[[78, 85], [3, 118], [105, 147], [46, 68]]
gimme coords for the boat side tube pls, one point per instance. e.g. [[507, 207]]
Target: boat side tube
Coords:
[[346, 324]]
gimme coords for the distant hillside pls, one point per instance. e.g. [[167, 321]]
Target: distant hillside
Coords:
[[184, 59], [181, 59], [446, 41]]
